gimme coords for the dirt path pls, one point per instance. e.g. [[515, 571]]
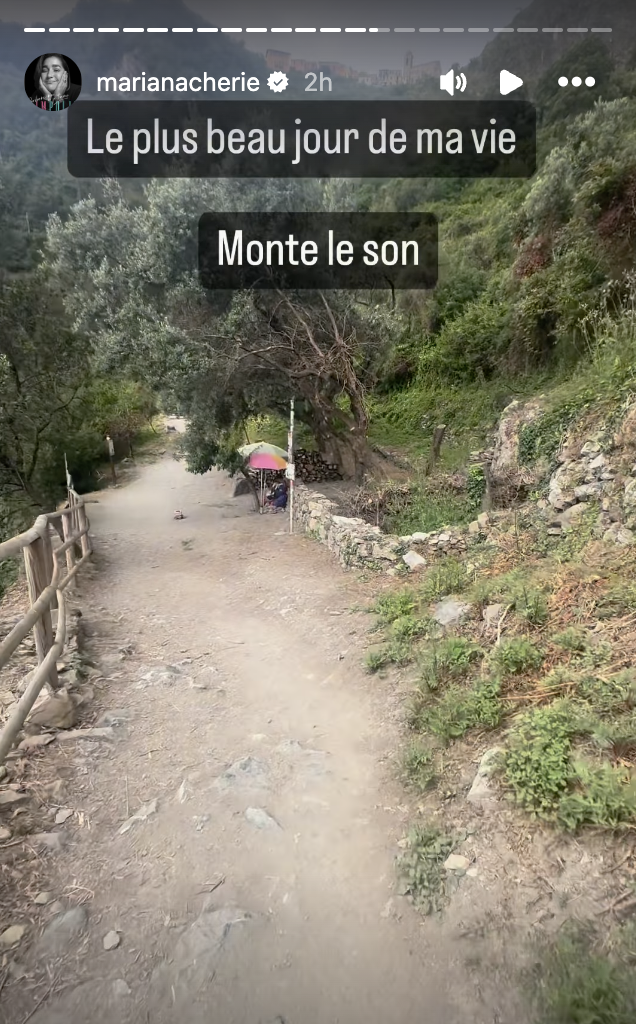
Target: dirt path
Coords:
[[302, 831]]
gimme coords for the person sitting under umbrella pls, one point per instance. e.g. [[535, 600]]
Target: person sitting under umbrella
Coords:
[[277, 498]]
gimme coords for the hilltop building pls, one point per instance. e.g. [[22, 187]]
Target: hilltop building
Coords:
[[416, 72], [278, 60]]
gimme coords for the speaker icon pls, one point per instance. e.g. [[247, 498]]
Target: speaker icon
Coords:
[[449, 82]]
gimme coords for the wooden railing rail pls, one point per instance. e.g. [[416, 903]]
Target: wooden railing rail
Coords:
[[46, 585]]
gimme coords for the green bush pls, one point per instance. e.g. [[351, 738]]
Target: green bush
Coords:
[[396, 652], [571, 639], [575, 985], [476, 486], [449, 659], [400, 652], [375, 660], [604, 796], [448, 576], [459, 710], [408, 627], [431, 508], [512, 590], [537, 762], [417, 765], [619, 599], [615, 736], [421, 867], [532, 606], [392, 606], [517, 654], [607, 696]]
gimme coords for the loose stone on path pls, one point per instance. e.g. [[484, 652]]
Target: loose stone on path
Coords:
[[52, 841], [456, 862], [247, 771], [166, 675], [194, 957], [9, 797], [451, 612], [142, 814], [61, 932], [43, 899], [11, 936], [259, 817], [111, 940]]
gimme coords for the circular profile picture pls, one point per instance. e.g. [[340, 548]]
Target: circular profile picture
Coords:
[[52, 81]]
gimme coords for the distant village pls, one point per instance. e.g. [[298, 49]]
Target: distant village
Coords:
[[278, 60]]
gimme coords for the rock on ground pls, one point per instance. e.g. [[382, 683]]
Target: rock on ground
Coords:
[[246, 771], [57, 712], [492, 614], [111, 940], [450, 612], [482, 791], [142, 814], [52, 841], [9, 797], [260, 818], [193, 959], [413, 560], [62, 932], [120, 989], [456, 862], [12, 935], [43, 898], [163, 675]]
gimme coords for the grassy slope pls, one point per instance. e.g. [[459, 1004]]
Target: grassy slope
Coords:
[[551, 684], [522, 264], [536, 296]]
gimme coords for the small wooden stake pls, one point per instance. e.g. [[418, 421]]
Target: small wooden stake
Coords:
[[438, 437]]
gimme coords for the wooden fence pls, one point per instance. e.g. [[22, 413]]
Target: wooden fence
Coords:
[[43, 550]]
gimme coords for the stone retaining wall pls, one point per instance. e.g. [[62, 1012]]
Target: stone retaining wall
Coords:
[[358, 543], [595, 473]]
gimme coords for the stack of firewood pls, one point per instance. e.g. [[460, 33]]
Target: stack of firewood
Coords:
[[311, 468]]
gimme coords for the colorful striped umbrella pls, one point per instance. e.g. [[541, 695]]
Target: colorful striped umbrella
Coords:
[[262, 447], [265, 461]]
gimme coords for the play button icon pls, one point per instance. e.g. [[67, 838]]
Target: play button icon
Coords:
[[508, 82]]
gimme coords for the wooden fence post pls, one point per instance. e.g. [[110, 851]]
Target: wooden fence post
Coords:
[[67, 528], [47, 549], [38, 577], [72, 519], [83, 522]]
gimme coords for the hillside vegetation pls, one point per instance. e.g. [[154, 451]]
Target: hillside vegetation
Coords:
[[533, 276], [536, 302]]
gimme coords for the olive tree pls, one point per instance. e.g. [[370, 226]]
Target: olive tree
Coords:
[[131, 281]]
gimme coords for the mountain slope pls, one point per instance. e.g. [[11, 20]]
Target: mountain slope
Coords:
[[530, 55]]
